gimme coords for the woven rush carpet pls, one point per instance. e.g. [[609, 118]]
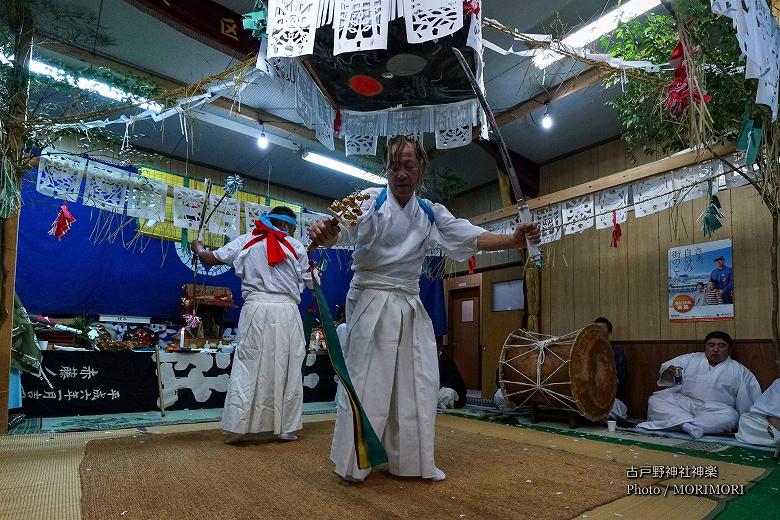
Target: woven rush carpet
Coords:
[[194, 476]]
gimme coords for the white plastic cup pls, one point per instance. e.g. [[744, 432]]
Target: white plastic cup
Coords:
[[611, 426]]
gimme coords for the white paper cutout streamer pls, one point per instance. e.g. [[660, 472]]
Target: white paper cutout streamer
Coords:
[[653, 195], [360, 25], [59, 176], [146, 199], [187, 207], [225, 220], [106, 187], [607, 201], [691, 182], [292, 25], [759, 39], [550, 222], [428, 20], [577, 214], [252, 213], [453, 137]]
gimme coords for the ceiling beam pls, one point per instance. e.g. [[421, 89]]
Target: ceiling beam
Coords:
[[571, 85], [229, 106]]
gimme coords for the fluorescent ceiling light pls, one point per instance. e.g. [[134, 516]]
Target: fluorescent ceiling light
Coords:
[[595, 30], [91, 85], [342, 167]]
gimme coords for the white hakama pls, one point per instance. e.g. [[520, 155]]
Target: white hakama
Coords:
[[265, 393], [710, 398], [390, 347], [754, 428]]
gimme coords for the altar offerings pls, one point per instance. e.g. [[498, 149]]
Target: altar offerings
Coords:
[[575, 371]]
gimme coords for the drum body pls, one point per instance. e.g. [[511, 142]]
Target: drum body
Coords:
[[575, 371]]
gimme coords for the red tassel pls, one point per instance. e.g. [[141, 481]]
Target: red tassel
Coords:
[[61, 225], [472, 264], [617, 232], [337, 122]]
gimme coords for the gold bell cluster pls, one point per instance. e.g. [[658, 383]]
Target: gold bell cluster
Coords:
[[347, 210]]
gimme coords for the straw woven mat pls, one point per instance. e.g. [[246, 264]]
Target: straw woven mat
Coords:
[[39, 477], [494, 473]]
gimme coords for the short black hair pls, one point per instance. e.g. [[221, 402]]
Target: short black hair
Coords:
[[283, 210], [719, 334], [605, 321]]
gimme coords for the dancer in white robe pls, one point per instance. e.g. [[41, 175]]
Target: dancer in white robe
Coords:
[[761, 425], [390, 348], [265, 394], [715, 390]]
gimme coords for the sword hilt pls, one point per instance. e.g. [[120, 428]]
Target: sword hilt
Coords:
[[524, 216]]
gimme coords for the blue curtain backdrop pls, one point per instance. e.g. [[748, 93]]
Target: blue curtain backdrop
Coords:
[[77, 276]]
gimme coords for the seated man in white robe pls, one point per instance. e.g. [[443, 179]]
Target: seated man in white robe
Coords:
[[390, 347], [761, 425], [713, 392], [265, 394]]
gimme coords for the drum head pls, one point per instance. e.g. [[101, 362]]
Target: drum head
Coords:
[[593, 373]]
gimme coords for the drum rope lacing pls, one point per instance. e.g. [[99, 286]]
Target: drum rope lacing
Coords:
[[539, 344]]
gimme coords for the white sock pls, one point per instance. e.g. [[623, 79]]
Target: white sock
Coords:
[[287, 437], [438, 475], [691, 429], [350, 478]]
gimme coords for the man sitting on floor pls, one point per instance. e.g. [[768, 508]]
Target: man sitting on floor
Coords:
[[452, 388], [713, 392], [761, 425], [619, 410]]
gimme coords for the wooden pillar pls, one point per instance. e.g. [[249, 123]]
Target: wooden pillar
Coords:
[[21, 24], [10, 236]]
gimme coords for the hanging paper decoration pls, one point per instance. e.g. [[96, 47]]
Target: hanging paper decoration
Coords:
[[60, 175], [611, 204], [653, 195], [691, 182], [577, 215], [428, 20], [360, 144], [453, 137], [252, 213], [146, 198], [617, 231], [225, 219], [61, 225], [187, 207], [759, 39], [292, 25], [106, 187], [711, 218], [360, 25], [550, 222], [472, 264], [678, 94], [471, 7]]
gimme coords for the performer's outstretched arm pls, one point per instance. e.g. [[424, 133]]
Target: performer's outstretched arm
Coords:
[[488, 241], [205, 256]]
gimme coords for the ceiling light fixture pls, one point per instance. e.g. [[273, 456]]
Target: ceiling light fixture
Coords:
[[342, 167], [262, 141], [595, 30], [547, 121]]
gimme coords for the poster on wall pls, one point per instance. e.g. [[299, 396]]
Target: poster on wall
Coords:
[[701, 282]]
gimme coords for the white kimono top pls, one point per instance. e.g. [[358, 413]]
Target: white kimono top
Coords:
[[728, 382], [251, 265], [392, 241]]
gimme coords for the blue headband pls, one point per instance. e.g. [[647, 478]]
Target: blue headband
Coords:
[[283, 218]]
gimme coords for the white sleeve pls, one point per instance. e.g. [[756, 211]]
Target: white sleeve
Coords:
[[304, 273], [228, 253], [456, 236], [680, 361], [749, 391]]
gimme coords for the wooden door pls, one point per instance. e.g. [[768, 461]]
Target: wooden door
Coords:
[[464, 335]]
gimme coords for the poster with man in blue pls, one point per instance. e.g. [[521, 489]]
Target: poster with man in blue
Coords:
[[701, 282]]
